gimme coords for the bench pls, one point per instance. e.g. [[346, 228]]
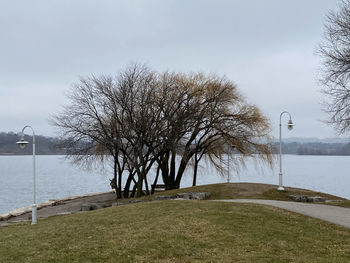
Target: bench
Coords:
[[158, 187]]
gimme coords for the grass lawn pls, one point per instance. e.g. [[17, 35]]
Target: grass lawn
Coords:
[[177, 231]]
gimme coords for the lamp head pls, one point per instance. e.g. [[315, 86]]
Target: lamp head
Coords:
[[22, 143], [290, 125]]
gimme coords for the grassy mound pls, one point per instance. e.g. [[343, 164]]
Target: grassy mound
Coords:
[[177, 231], [253, 191]]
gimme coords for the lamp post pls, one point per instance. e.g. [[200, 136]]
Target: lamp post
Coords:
[[228, 168], [230, 151], [22, 144], [290, 127]]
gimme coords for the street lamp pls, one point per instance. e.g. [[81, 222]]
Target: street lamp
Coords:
[[290, 127], [230, 151], [228, 167], [22, 144]]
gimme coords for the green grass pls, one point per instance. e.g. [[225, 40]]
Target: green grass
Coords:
[[177, 231], [345, 203]]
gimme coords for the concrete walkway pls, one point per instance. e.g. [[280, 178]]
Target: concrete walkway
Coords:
[[333, 214]]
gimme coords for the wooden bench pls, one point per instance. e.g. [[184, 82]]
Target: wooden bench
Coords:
[[158, 187]]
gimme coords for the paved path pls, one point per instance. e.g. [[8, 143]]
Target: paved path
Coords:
[[334, 214]]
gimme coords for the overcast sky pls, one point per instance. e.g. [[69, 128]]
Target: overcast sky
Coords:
[[267, 48]]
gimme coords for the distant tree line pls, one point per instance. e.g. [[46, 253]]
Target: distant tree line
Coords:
[[314, 148], [44, 145], [49, 146]]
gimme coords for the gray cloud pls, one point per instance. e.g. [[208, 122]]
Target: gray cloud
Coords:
[[266, 47]]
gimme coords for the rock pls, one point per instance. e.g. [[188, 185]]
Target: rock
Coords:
[[163, 197], [58, 202], [193, 196], [86, 207], [202, 195], [94, 206], [299, 198], [316, 199], [185, 196], [305, 198]]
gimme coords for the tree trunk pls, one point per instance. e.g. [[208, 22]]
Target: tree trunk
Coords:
[[195, 170], [133, 190], [182, 167], [155, 180], [164, 166], [172, 166], [140, 182], [127, 184], [120, 173], [146, 184], [117, 186]]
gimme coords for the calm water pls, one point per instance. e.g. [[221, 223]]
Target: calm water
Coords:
[[57, 178]]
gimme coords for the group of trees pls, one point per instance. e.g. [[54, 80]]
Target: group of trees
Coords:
[[45, 145], [141, 119], [313, 148], [323, 149]]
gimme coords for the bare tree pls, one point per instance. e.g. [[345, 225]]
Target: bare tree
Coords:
[[335, 53], [142, 118], [136, 90], [88, 129], [200, 115]]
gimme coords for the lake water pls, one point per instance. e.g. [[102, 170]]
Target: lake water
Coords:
[[57, 178]]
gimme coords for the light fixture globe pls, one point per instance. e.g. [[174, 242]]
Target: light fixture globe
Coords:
[[290, 125], [22, 143]]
